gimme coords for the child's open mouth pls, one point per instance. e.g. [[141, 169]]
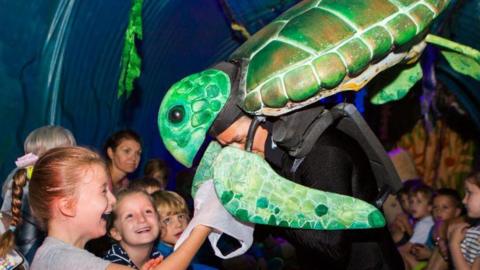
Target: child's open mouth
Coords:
[[143, 230], [177, 235], [106, 216]]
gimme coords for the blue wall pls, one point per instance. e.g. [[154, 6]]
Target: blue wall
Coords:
[[59, 64]]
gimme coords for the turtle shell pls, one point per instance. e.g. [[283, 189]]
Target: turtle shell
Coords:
[[318, 48]]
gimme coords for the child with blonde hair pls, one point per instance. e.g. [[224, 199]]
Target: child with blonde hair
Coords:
[[70, 197], [134, 226], [16, 186], [174, 217]]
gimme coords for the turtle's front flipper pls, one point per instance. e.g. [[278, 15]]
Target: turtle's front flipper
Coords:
[[204, 170], [251, 191]]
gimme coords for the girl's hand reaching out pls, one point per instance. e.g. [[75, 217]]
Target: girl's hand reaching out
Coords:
[[151, 264]]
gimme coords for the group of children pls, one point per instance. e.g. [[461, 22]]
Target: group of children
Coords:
[[71, 193], [66, 191], [70, 196], [432, 232]]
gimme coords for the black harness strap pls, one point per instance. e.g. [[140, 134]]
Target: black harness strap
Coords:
[[299, 132]]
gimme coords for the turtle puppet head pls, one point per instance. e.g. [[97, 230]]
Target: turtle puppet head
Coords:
[[190, 108]]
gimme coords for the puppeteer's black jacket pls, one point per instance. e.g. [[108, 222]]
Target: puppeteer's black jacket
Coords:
[[337, 164]]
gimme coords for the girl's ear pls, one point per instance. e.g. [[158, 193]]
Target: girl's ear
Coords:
[[115, 234], [67, 206]]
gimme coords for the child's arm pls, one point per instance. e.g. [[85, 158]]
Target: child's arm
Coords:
[[150, 265], [402, 220], [407, 257], [180, 259], [456, 233], [437, 262], [114, 266], [476, 263], [421, 252]]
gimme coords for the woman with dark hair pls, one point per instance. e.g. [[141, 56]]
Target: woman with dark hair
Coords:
[[122, 151]]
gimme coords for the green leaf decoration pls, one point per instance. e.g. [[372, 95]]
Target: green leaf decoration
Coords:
[[130, 62], [454, 46], [462, 64], [400, 86]]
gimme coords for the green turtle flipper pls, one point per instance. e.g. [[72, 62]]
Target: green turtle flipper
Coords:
[[204, 170], [251, 191]]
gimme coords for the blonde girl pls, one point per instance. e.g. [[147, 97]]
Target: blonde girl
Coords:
[[71, 199]]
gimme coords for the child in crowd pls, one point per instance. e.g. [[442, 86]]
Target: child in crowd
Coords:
[[420, 200], [402, 227], [29, 236], [447, 205], [174, 218], [464, 241], [134, 226], [157, 169], [10, 258], [149, 185], [71, 199]]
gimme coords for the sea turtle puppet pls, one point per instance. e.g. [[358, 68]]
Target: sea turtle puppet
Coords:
[[315, 49]]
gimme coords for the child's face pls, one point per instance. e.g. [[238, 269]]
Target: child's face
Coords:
[[94, 202], [160, 176], [419, 206], [444, 208], [136, 221], [404, 203], [472, 199], [173, 226]]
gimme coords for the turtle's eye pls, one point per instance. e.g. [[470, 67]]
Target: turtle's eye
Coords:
[[176, 114]]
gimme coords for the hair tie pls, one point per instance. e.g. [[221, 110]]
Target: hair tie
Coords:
[[29, 171], [26, 160], [12, 228]]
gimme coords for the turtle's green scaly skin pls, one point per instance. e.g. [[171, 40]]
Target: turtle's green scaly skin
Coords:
[[188, 110], [204, 170], [321, 47], [260, 196]]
